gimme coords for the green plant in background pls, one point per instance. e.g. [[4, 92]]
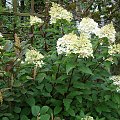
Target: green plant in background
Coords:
[[75, 81]]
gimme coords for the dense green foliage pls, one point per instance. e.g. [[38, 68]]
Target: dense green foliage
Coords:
[[65, 88]]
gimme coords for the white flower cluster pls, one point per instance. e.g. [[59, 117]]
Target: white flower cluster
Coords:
[[57, 12], [34, 57], [107, 31], [83, 47], [1, 35], [35, 19], [71, 43], [116, 81], [89, 26], [114, 49], [65, 44], [87, 118]]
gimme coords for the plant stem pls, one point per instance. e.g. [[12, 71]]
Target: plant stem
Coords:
[[69, 84], [85, 12], [58, 68], [46, 23], [94, 70], [95, 49], [57, 72]]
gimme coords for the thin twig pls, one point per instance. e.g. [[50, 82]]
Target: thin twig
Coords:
[[84, 13], [94, 70], [69, 84]]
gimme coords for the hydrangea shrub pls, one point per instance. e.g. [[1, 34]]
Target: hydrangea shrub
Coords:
[[71, 80]]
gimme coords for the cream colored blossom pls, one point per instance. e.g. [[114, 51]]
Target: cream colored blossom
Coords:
[[110, 59], [1, 48], [1, 35], [57, 12], [114, 49], [87, 118], [65, 44], [34, 57], [35, 19], [116, 81], [83, 47], [87, 25], [71, 43], [107, 31]]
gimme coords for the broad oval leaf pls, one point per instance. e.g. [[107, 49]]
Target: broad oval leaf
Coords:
[[35, 110], [57, 110], [44, 109], [30, 101], [45, 117], [67, 103]]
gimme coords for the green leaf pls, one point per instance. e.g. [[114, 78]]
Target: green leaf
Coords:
[[85, 69], [16, 116], [45, 117], [72, 94], [17, 83], [9, 99], [48, 87], [24, 117], [40, 87], [8, 46], [79, 98], [5, 118], [69, 67], [107, 65], [116, 98], [57, 110], [101, 118], [8, 114], [56, 102], [29, 78], [26, 111], [44, 109], [23, 90], [40, 77], [62, 89], [17, 110], [35, 110], [82, 114], [71, 112], [78, 117], [33, 118], [67, 103], [102, 108], [57, 118], [30, 101], [61, 78], [79, 85], [107, 97], [46, 94]]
